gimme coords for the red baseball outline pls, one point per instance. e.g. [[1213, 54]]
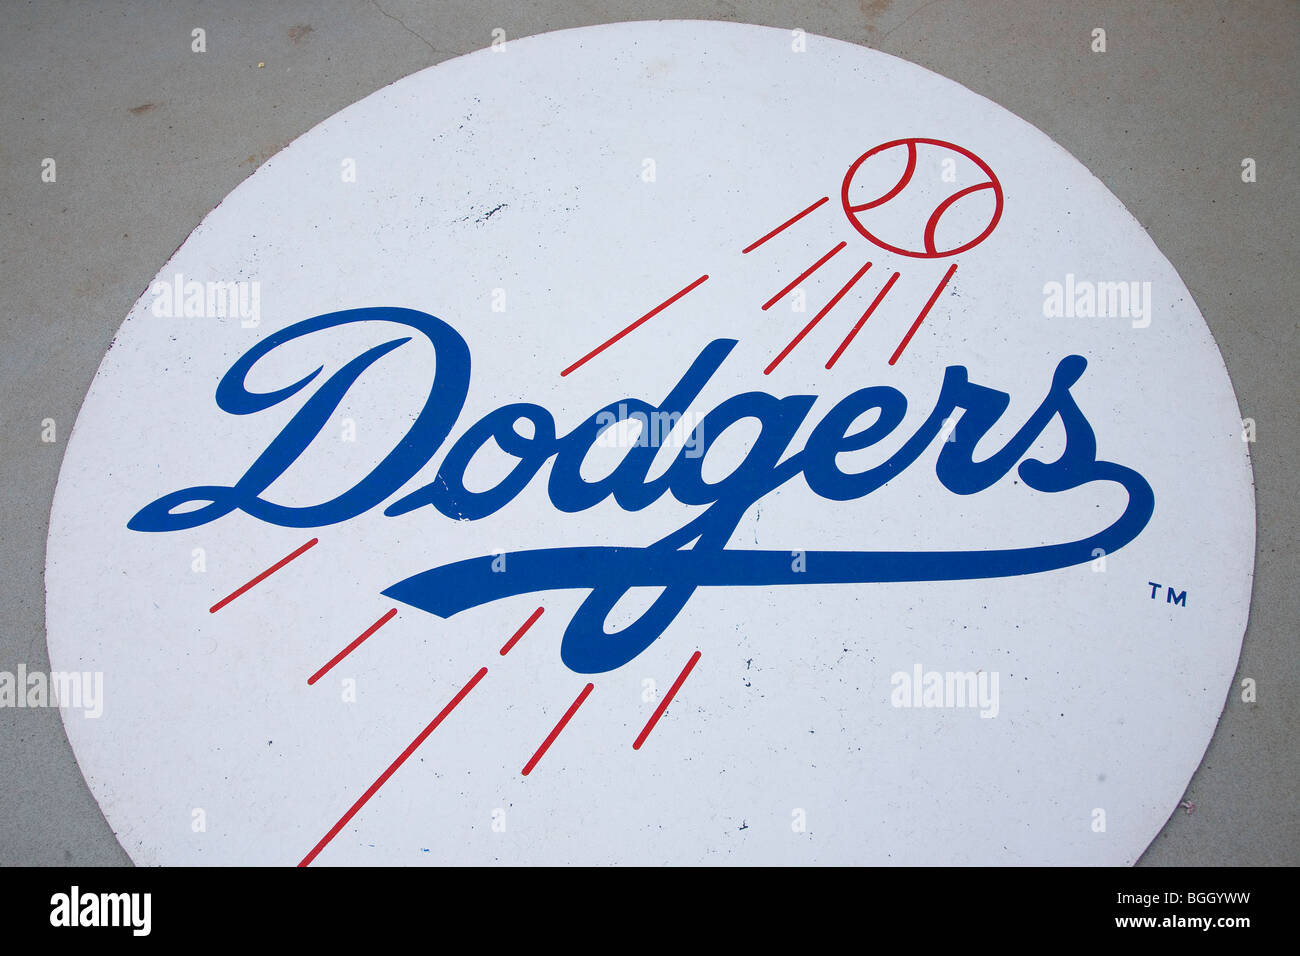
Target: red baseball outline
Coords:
[[931, 252]]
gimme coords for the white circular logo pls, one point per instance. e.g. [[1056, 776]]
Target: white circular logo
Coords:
[[655, 443]]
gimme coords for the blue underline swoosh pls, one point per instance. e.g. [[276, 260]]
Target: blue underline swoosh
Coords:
[[447, 590]]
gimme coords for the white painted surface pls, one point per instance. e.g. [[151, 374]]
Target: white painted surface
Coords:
[[1108, 698]]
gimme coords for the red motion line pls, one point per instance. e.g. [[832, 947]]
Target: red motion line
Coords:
[[862, 321], [785, 225], [934, 296], [803, 275], [353, 646], [261, 577], [663, 704], [392, 768], [817, 318], [550, 739], [645, 318], [520, 633]]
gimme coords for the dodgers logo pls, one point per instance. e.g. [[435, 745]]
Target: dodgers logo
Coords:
[[543, 462], [608, 572]]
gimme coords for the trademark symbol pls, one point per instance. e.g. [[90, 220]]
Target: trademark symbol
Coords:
[[1171, 596]]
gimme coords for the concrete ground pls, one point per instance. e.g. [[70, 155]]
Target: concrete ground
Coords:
[[149, 136]]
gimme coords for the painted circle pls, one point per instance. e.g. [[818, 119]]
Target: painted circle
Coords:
[[930, 251], [540, 204]]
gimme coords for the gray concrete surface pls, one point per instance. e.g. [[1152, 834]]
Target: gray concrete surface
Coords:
[[149, 136]]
